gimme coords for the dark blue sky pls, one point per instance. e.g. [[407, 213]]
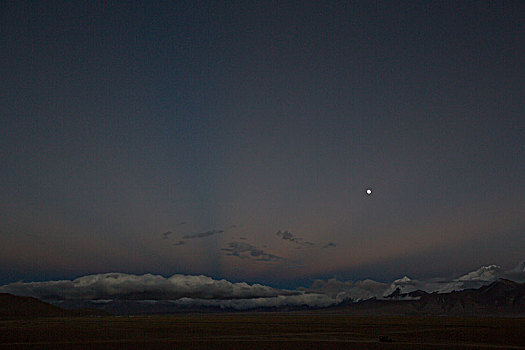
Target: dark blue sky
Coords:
[[228, 122]]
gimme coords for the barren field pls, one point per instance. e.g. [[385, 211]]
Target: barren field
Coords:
[[262, 331]]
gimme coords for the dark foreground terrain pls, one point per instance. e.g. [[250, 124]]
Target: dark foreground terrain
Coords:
[[261, 331]]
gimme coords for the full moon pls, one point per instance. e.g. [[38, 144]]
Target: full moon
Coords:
[[369, 191]]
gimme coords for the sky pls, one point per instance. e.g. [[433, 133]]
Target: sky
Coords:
[[236, 139]]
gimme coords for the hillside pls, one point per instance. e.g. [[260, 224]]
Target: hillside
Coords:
[[12, 306]]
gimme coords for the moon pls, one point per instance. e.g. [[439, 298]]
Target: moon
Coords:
[[369, 191]]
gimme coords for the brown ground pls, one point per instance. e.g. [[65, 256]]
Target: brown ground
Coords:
[[261, 331]]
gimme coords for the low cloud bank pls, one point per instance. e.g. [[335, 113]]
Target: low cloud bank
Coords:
[[141, 287], [202, 291], [303, 299], [341, 291]]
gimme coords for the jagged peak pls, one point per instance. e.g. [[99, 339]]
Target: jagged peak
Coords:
[[403, 280]]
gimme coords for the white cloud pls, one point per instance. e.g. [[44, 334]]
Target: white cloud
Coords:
[[140, 287], [303, 299], [341, 291]]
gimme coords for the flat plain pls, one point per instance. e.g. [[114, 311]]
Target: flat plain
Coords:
[[262, 331]]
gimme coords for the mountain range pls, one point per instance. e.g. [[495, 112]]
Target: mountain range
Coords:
[[500, 298]]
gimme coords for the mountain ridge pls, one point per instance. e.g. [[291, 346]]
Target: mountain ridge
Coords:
[[500, 298], [14, 306]]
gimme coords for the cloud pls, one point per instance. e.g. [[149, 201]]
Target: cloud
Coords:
[[295, 266], [245, 250], [347, 290], [165, 235], [288, 236], [330, 245], [203, 234], [517, 273], [302, 299], [141, 287]]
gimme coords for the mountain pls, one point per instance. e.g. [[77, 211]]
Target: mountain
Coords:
[[503, 297], [500, 298], [13, 306]]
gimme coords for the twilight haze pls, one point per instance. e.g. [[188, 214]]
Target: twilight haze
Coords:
[[237, 141]]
